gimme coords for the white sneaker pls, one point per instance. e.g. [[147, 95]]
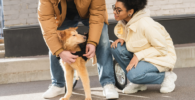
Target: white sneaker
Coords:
[[168, 84], [133, 88], [110, 92], [53, 91]]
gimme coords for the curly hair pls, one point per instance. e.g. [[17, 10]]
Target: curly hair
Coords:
[[137, 5]]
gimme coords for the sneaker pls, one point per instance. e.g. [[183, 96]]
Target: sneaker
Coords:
[[53, 91], [110, 92], [133, 88], [168, 84]]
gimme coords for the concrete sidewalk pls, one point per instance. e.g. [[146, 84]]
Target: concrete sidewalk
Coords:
[[185, 90]]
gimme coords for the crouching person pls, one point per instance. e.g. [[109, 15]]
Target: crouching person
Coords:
[[144, 50]]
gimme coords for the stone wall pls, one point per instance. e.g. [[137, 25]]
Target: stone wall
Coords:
[[20, 12], [24, 12]]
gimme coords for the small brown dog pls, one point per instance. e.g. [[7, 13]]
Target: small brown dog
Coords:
[[70, 40]]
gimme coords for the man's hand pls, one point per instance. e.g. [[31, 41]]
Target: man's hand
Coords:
[[90, 51], [133, 63], [67, 57], [114, 44]]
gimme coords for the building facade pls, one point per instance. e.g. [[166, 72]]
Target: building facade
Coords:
[[24, 12], [22, 27]]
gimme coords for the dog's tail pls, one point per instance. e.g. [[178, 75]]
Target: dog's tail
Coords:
[[77, 75], [94, 60]]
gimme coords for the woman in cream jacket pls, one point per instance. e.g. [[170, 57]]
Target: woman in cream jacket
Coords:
[[144, 49]]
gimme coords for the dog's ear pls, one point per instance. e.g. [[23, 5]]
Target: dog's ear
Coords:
[[76, 28], [61, 34]]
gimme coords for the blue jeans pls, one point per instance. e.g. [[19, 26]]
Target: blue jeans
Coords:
[[103, 54], [144, 73]]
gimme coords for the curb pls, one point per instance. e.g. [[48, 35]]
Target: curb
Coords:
[[36, 68]]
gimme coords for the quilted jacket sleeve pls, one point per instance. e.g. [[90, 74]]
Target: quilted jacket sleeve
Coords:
[[46, 17], [97, 14]]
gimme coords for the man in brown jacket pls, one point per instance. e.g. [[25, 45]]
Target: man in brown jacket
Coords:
[[61, 14]]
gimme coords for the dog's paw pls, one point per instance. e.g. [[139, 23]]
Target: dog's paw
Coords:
[[88, 99], [63, 98]]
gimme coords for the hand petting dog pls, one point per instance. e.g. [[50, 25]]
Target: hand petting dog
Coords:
[[90, 51], [68, 57]]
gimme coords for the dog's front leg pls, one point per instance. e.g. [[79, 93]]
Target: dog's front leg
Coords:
[[69, 71], [82, 71]]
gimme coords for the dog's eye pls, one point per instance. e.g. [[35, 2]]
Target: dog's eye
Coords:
[[74, 35]]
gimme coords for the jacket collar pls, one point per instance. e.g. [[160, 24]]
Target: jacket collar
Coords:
[[132, 24], [133, 27]]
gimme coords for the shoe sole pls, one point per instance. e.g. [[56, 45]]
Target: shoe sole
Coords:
[[162, 91], [143, 88], [53, 96], [112, 97]]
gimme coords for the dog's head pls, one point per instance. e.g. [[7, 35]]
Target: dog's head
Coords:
[[70, 37]]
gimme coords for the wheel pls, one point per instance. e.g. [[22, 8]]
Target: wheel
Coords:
[[119, 74], [120, 77]]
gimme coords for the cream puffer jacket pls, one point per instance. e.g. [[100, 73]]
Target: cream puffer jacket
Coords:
[[148, 40]]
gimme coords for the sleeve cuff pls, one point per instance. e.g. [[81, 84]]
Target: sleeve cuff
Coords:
[[58, 52], [93, 43], [139, 55]]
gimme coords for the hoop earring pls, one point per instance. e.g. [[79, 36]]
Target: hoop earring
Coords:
[[129, 15]]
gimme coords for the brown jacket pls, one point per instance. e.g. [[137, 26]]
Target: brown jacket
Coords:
[[48, 12]]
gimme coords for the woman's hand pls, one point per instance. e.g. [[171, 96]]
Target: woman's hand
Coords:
[[133, 63], [114, 44]]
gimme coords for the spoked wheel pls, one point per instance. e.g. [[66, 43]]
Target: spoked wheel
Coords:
[[120, 77]]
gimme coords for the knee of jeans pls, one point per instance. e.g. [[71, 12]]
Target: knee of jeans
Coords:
[[120, 50], [116, 50], [134, 78], [104, 43]]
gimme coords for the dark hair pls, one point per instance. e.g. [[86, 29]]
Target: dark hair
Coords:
[[137, 5]]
